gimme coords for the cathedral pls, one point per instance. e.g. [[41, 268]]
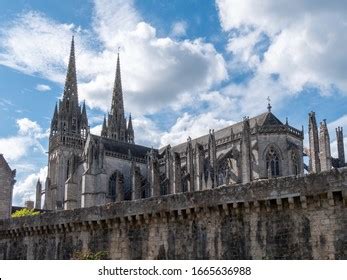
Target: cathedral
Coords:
[[88, 170]]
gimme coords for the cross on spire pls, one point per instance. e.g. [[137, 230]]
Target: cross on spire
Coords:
[[269, 104]]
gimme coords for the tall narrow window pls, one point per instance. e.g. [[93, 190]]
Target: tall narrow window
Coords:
[[74, 125], [272, 163], [112, 186], [64, 126]]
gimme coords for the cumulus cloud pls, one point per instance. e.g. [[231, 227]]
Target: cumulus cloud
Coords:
[[300, 42], [14, 147], [41, 87], [193, 126], [28, 137], [25, 189], [156, 71], [22, 150]]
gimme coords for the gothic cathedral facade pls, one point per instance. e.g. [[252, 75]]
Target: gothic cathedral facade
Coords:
[[87, 170]]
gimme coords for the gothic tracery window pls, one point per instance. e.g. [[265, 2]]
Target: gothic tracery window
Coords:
[[112, 183], [272, 163], [224, 170]]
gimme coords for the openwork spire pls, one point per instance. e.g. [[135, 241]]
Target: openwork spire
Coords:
[[117, 107], [70, 89]]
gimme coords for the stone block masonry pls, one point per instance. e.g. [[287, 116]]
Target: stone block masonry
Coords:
[[284, 218]]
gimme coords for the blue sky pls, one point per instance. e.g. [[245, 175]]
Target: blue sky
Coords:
[[187, 66]]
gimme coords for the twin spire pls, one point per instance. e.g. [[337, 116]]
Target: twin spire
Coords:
[[69, 117]]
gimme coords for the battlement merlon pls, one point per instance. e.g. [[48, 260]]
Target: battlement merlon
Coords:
[[263, 192]]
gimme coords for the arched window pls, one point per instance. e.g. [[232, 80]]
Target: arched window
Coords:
[[112, 183], [224, 170], [272, 163], [145, 188]]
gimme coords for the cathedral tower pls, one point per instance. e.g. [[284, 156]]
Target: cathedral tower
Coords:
[[116, 127], [69, 129], [314, 144]]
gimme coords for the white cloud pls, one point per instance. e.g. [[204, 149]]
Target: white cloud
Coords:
[[304, 44], [96, 130], [25, 189], [156, 72], [146, 132], [28, 137], [193, 126], [15, 147], [179, 28], [41, 87], [22, 152]]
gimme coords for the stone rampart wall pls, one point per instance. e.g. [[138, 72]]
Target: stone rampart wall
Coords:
[[285, 218]]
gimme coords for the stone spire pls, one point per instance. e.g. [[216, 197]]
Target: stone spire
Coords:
[[314, 143], [324, 147], [69, 129], [54, 122], [116, 127], [38, 194], [117, 107], [104, 128], [84, 118], [130, 131], [340, 146], [69, 117], [70, 89]]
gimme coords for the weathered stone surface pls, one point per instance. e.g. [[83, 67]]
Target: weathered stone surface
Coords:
[[6, 188], [284, 218]]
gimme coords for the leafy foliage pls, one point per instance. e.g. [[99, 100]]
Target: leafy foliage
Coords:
[[24, 213], [88, 255]]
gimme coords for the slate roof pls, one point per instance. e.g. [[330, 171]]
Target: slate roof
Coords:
[[263, 120], [123, 148]]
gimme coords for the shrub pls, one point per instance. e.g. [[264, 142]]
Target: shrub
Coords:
[[88, 255], [24, 212]]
